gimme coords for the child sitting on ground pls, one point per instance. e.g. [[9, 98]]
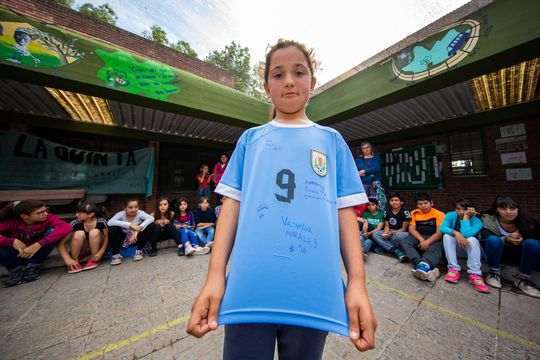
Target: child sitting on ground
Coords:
[[163, 226], [373, 222], [90, 235], [205, 221], [396, 224], [423, 246], [185, 224], [460, 229]]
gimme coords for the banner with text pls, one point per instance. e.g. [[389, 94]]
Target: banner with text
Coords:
[[31, 162]]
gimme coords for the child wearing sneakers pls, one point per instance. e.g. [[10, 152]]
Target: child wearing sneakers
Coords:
[[185, 224], [460, 230], [205, 221], [396, 224], [131, 225], [423, 246], [163, 228], [373, 222]]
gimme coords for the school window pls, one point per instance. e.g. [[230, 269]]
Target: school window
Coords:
[[467, 154]]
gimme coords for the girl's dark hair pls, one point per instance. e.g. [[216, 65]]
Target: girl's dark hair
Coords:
[[281, 44], [16, 208], [463, 202], [203, 199], [183, 199], [131, 200], [157, 213], [526, 224], [98, 210], [394, 194]]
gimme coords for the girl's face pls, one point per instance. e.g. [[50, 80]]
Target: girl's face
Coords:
[[290, 83], [224, 159], [395, 203], [205, 169], [204, 205], [508, 213], [131, 208], [183, 206], [163, 206], [82, 216]]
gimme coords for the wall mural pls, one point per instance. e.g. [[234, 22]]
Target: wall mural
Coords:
[[22, 43], [123, 71], [438, 52]]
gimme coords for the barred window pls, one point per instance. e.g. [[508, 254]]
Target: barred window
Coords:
[[467, 154]]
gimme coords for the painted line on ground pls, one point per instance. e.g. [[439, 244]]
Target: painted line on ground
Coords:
[[124, 342], [459, 316]]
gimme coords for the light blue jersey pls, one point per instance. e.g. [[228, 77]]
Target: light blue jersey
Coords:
[[286, 264]]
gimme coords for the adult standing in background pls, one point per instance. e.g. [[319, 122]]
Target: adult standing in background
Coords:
[[369, 169], [217, 173]]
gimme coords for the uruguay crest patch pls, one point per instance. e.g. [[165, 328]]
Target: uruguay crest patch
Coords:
[[318, 163]]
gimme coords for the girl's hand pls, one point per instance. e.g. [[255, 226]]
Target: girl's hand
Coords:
[[470, 212], [29, 251], [462, 241], [178, 227], [166, 222], [204, 312], [184, 226], [362, 321], [133, 238], [515, 239], [135, 227], [19, 246], [72, 264]]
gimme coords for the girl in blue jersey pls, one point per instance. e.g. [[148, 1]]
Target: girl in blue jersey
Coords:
[[291, 186]]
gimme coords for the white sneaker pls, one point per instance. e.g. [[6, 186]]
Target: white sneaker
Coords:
[[138, 255], [116, 259], [433, 275], [209, 244], [189, 250], [526, 287], [201, 250], [494, 280]]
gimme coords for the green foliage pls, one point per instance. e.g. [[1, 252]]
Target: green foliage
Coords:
[[184, 47], [66, 3], [234, 59], [102, 12], [156, 34]]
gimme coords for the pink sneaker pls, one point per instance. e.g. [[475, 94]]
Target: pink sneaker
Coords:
[[478, 283], [452, 276]]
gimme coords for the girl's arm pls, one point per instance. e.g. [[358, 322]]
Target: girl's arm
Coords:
[[362, 321], [116, 220], [103, 247], [63, 250], [204, 312], [147, 219]]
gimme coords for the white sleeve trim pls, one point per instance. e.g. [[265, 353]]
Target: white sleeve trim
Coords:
[[228, 191], [351, 200]]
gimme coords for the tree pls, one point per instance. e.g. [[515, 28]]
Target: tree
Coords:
[[102, 12], [234, 59], [184, 47], [156, 34], [255, 85], [66, 3]]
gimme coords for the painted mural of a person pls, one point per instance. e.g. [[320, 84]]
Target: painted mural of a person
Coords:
[[23, 38]]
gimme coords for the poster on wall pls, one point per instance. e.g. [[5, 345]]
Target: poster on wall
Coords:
[[518, 174], [31, 162], [513, 158], [511, 144], [513, 130]]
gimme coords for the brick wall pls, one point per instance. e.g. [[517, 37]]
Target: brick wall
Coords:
[[49, 12], [483, 190]]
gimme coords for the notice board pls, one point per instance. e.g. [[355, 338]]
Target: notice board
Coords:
[[417, 166]]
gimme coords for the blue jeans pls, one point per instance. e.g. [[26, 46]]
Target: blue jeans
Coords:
[[188, 235], [391, 243], [205, 235], [258, 341], [530, 254], [203, 191], [10, 260], [473, 253]]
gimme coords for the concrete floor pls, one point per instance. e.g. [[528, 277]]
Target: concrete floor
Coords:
[[139, 310]]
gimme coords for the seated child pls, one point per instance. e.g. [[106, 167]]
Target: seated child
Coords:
[[423, 246], [205, 221], [185, 225], [130, 226], [396, 224], [373, 222], [163, 226], [90, 235], [28, 233], [217, 210], [460, 229]]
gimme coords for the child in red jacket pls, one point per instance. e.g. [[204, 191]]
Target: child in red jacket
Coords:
[[28, 233]]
